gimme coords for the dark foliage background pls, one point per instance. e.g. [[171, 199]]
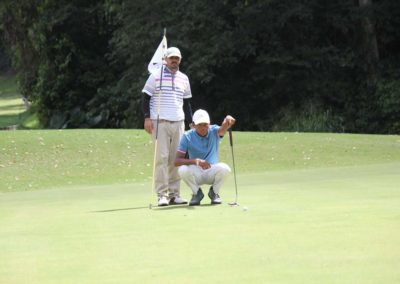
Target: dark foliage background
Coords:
[[276, 65]]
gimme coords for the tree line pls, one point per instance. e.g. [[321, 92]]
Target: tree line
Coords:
[[276, 65]]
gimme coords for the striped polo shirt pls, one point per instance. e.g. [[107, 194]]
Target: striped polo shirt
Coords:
[[168, 90]]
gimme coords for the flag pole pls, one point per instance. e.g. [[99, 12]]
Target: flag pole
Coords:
[[153, 189]]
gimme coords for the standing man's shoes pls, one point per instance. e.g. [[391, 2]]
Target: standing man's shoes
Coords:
[[177, 200], [196, 198], [162, 201]]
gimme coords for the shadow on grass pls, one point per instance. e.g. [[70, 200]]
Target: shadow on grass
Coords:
[[119, 209], [9, 94], [12, 107], [9, 119], [157, 208], [173, 207]]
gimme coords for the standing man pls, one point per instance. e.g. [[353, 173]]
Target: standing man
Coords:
[[197, 157], [166, 96]]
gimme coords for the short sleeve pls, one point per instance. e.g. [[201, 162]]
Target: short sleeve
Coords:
[[150, 86], [183, 145], [188, 91]]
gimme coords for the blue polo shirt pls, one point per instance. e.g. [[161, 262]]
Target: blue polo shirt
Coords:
[[205, 148]]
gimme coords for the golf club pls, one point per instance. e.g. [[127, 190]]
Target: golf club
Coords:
[[234, 170]]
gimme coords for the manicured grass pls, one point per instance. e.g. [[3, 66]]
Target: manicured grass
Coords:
[[322, 208], [313, 226], [10, 102], [12, 109], [42, 159], [8, 85]]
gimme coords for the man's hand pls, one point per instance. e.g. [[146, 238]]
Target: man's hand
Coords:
[[203, 164], [148, 125], [228, 122]]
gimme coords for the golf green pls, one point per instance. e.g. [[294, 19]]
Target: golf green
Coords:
[[327, 225]]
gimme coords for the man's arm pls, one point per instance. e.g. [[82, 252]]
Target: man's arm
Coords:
[[180, 160], [148, 124], [146, 105], [187, 109], [228, 122]]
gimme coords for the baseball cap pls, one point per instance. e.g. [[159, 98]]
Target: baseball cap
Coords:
[[173, 51], [201, 116]]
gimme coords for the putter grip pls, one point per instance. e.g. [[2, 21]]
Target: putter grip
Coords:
[[230, 136]]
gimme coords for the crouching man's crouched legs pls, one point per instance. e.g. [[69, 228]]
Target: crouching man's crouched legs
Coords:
[[215, 176]]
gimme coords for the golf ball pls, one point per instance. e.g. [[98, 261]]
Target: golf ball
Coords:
[[245, 208]]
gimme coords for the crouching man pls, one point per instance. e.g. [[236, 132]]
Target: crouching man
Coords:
[[197, 157]]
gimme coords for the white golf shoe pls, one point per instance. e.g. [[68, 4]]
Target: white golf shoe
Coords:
[[162, 201], [177, 200]]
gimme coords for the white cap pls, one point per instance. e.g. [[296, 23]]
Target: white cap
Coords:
[[173, 51], [201, 116]]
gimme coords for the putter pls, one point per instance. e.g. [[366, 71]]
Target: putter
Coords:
[[234, 170]]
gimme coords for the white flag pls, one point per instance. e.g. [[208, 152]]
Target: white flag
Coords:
[[158, 57]]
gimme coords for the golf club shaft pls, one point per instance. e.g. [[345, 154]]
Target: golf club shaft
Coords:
[[233, 163]]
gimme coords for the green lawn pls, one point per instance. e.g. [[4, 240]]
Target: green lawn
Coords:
[[11, 105], [12, 108], [322, 208], [45, 159]]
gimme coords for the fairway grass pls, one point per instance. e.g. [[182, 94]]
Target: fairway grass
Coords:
[[11, 105], [301, 226], [46, 159], [13, 113], [321, 208]]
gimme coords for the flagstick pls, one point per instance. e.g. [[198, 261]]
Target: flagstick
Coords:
[[156, 140], [157, 124], [154, 166]]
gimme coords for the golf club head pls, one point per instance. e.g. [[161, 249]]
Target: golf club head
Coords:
[[233, 204]]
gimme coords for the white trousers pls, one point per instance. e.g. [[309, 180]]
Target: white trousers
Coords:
[[166, 177], [194, 176]]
